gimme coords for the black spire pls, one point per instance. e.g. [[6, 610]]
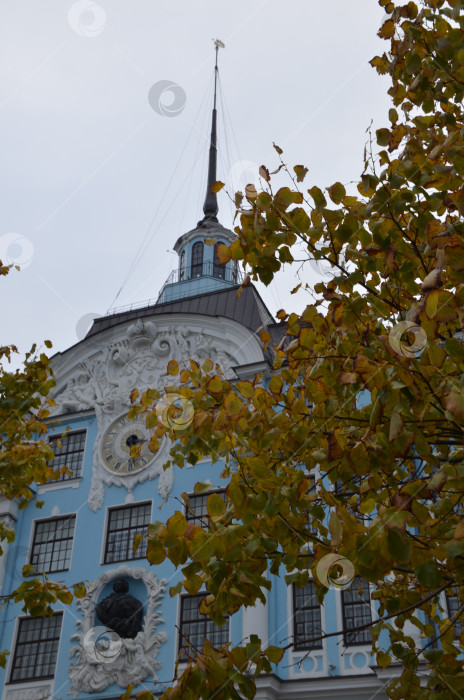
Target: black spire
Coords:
[[210, 207]]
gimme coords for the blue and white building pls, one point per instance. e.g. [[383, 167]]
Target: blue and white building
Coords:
[[85, 530]]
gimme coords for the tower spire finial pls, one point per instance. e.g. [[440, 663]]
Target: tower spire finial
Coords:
[[210, 207]]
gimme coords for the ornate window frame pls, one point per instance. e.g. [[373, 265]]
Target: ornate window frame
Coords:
[[132, 660]]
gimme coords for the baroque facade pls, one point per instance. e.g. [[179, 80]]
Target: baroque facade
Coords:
[[90, 517]]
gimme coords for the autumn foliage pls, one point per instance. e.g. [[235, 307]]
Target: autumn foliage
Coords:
[[368, 387]]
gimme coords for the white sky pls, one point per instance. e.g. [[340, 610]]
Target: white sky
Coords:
[[87, 164]]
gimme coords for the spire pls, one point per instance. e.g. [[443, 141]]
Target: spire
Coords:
[[210, 207]]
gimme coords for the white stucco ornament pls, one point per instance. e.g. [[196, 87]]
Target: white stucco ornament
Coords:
[[125, 661], [100, 373]]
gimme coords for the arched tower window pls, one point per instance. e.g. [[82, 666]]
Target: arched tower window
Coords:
[[182, 266], [219, 271], [197, 259]]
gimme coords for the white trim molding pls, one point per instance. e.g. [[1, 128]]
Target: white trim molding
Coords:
[[134, 660]]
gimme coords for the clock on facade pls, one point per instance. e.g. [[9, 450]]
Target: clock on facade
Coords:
[[116, 445]]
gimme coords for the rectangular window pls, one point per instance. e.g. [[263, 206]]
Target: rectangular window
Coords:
[[454, 605], [52, 544], [69, 453], [196, 510], [195, 627], [356, 608], [306, 618], [36, 648], [123, 525]]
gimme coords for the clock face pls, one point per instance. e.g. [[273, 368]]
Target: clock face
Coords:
[[117, 442]]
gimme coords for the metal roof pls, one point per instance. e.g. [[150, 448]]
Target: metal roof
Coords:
[[249, 309]]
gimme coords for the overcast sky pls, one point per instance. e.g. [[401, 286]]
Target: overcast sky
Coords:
[[95, 175]]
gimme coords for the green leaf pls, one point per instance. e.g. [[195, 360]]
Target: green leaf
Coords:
[[215, 505], [398, 546], [79, 590], [156, 553], [301, 172], [428, 575], [455, 349], [319, 199], [274, 654], [175, 590], [383, 137], [144, 695], [336, 192], [177, 524]]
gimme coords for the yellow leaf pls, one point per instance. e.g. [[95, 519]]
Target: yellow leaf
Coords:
[[232, 404], [223, 254], [246, 389], [335, 529], [307, 337], [276, 384], [217, 186], [387, 29], [137, 540], [207, 365], [173, 367], [214, 385]]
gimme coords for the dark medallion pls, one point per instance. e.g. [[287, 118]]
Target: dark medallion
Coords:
[[120, 611]]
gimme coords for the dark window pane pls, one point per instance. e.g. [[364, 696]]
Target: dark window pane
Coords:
[[356, 606], [196, 510], [197, 259], [306, 617], [69, 453], [123, 525], [52, 544], [195, 627], [33, 659], [454, 605]]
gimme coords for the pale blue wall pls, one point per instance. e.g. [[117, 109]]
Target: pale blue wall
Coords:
[[87, 556]]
